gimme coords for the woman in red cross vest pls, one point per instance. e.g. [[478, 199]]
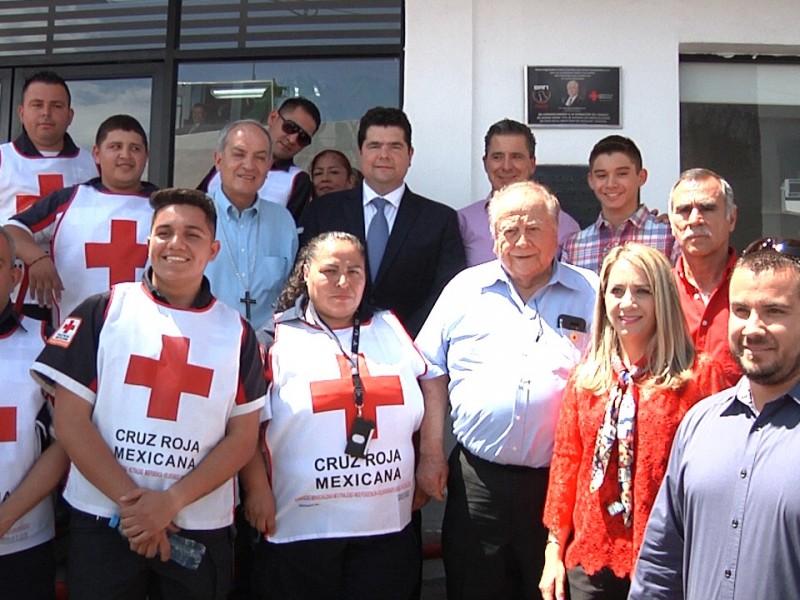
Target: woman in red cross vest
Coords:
[[621, 408], [344, 401]]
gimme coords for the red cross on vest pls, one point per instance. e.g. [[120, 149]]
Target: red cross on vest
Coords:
[[48, 183], [122, 254], [338, 394], [69, 325], [8, 423], [169, 377]]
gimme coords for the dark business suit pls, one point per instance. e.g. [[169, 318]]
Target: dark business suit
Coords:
[[423, 253]]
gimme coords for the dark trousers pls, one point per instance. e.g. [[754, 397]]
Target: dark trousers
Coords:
[[380, 567], [29, 574], [492, 534], [603, 585], [103, 567]]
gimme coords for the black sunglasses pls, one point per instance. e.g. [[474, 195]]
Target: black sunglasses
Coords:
[[290, 128], [787, 247]]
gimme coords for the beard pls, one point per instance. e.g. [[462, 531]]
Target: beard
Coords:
[[784, 367]]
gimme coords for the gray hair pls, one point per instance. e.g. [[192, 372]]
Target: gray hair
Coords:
[[532, 191], [699, 174], [222, 141]]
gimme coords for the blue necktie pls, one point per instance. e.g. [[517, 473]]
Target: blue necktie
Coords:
[[377, 236]]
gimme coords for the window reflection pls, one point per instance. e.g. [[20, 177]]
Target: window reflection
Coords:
[[342, 89], [743, 121]]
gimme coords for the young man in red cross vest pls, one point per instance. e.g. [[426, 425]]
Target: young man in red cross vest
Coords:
[[157, 388], [96, 230], [29, 468], [43, 158]]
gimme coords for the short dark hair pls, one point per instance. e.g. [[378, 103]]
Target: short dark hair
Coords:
[[162, 199], [384, 116], [307, 105], [510, 127], [119, 122], [768, 259], [50, 78], [617, 143]]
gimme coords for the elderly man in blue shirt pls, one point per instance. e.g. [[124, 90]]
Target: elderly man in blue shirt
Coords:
[[258, 238], [726, 523], [502, 340]]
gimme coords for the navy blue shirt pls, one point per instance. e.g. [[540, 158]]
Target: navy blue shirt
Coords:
[[726, 523]]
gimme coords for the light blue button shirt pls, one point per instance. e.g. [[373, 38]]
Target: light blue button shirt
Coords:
[[265, 232], [508, 360]]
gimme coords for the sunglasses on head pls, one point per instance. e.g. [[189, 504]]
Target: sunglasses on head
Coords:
[[290, 128], [787, 247]]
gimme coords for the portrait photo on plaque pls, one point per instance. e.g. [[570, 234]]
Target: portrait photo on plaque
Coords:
[[572, 96]]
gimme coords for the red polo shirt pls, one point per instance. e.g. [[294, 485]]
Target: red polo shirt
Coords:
[[708, 324]]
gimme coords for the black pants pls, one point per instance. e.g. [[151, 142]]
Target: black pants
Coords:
[[380, 567], [29, 574], [603, 585], [492, 534], [103, 567]]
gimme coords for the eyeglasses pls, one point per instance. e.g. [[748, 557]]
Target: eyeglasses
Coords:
[[290, 128], [788, 247]]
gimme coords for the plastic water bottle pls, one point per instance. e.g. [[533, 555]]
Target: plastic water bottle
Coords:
[[184, 551]]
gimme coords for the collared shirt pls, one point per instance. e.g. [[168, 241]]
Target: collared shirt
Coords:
[[708, 323], [508, 361], [393, 199], [203, 298], [726, 523], [589, 247], [257, 251], [26, 147], [473, 222]]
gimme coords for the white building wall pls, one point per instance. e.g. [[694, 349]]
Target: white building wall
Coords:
[[464, 64]]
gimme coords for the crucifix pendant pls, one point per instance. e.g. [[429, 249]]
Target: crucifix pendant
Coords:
[[247, 300]]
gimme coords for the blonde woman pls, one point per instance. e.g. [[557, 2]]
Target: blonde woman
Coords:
[[621, 408]]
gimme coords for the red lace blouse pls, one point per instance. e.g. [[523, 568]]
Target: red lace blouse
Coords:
[[599, 539]]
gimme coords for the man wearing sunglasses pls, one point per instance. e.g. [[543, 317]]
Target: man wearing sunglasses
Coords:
[[726, 523], [702, 215], [291, 128]]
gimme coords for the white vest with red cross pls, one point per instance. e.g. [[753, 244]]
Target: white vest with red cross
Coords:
[[25, 179], [20, 435], [100, 240], [320, 491], [167, 384]]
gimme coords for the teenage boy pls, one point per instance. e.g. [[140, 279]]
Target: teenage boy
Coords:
[[157, 388], [97, 230], [27, 473], [615, 176]]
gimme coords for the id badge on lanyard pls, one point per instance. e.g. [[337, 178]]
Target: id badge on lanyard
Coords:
[[363, 429]]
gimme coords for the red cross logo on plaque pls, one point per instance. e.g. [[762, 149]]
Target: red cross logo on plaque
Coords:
[[338, 394], [169, 377], [48, 183], [122, 255], [8, 423]]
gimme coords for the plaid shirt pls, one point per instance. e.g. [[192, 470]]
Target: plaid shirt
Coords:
[[588, 247]]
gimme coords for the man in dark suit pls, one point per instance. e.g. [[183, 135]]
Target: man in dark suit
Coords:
[[424, 248]]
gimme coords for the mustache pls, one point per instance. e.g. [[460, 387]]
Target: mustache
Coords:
[[700, 230]]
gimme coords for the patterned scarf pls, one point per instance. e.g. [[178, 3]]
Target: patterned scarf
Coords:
[[618, 425]]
